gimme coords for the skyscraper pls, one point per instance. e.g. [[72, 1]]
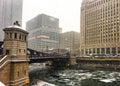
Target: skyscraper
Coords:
[[10, 11], [43, 32], [70, 41], [100, 27]]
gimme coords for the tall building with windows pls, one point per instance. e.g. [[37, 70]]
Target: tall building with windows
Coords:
[[70, 41], [100, 27], [10, 11], [43, 32]]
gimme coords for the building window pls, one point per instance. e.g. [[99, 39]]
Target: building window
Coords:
[[113, 50], [10, 35], [15, 35], [107, 50], [102, 50], [93, 50], [24, 50], [19, 50], [98, 50], [25, 72], [25, 38], [7, 52], [7, 35], [18, 73], [20, 36], [119, 50]]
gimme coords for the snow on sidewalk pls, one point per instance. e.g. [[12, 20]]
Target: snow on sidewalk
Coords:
[[42, 83]]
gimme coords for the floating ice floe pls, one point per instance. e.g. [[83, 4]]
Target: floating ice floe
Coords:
[[67, 79], [88, 75], [107, 80], [81, 74], [71, 84]]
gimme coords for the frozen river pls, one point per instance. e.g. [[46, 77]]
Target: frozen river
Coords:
[[70, 77]]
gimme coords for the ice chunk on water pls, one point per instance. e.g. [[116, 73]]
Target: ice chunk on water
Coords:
[[107, 80]]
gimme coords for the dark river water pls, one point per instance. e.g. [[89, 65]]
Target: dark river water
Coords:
[[76, 77]]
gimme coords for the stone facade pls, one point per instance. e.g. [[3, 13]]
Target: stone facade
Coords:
[[5, 74], [14, 67], [19, 73], [100, 27]]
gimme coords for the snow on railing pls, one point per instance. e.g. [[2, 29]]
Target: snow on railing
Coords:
[[3, 58], [1, 84], [3, 61]]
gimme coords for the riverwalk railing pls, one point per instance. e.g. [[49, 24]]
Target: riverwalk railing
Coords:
[[100, 58]]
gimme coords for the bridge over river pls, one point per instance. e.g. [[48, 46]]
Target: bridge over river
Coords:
[[15, 57]]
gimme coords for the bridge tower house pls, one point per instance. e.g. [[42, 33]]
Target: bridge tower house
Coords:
[[15, 46]]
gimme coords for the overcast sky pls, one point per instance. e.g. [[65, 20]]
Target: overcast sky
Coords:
[[68, 12]]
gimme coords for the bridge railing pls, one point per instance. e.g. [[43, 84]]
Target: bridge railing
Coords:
[[33, 54], [4, 60], [66, 55]]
